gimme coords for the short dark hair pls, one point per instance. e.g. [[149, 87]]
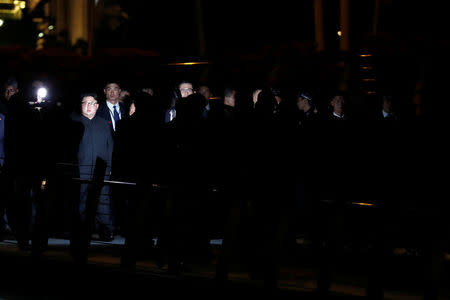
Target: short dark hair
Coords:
[[339, 93], [386, 98], [11, 82], [111, 82], [275, 92], [185, 81], [89, 94]]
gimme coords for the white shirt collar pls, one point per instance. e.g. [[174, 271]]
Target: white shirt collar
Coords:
[[111, 106], [339, 116]]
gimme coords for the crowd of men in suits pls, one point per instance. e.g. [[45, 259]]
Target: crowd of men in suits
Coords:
[[218, 162]]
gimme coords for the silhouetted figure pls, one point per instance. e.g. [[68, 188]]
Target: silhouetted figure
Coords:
[[307, 108], [184, 89], [229, 105], [387, 109], [30, 145], [306, 160], [266, 190], [12, 143], [141, 207], [205, 91], [186, 238], [5, 230]]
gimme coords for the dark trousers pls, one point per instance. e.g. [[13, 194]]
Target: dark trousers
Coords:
[[103, 215], [26, 201], [4, 199]]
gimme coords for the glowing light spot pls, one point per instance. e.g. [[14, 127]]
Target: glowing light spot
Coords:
[[193, 63], [363, 204], [42, 92]]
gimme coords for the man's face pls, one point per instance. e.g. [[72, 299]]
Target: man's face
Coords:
[[231, 100], [255, 96], [148, 91], [302, 103], [10, 91], [205, 91], [112, 92], [186, 89], [89, 107], [338, 103], [387, 106]]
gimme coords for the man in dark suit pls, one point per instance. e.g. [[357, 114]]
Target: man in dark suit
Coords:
[[96, 142], [112, 110], [4, 227], [387, 111], [28, 147], [338, 105]]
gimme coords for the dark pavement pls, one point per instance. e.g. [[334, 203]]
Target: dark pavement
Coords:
[[56, 276]]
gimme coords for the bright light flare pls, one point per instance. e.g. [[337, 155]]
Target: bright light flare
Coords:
[[190, 63], [43, 184], [42, 93], [363, 204]]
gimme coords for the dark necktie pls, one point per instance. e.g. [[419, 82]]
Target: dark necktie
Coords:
[[116, 114]]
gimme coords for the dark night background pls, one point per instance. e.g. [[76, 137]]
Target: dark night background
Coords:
[[247, 43]]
